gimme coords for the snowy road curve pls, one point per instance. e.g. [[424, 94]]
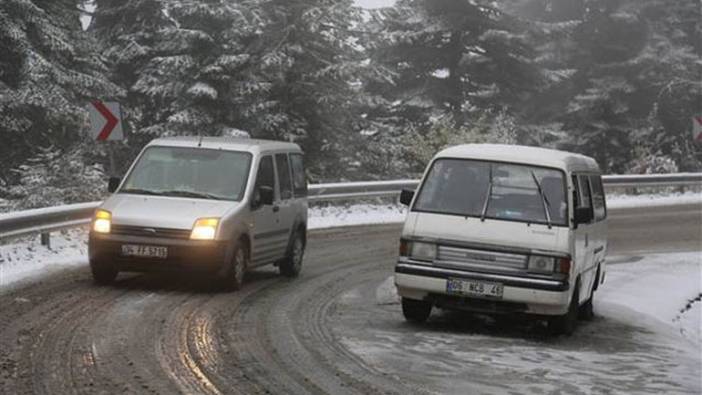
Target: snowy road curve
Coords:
[[336, 329]]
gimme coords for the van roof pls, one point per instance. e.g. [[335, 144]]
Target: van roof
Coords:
[[522, 154], [227, 143]]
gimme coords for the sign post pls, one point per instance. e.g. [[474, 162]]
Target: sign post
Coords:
[[106, 125], [697, 128]]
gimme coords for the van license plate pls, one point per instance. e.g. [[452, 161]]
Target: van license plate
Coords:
[[143, 251], [473, 288]]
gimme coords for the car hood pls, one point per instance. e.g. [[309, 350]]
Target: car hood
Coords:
[[489, 232], [163, 211]]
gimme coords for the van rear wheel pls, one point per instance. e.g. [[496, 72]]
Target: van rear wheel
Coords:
[[292, 264], [416, 311], [565, 324]]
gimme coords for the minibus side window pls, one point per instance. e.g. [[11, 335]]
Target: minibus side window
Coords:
[[281, 163], [299, 179], [598, 198], [584, 192]]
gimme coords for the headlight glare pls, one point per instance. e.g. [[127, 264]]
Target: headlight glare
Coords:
[[102, 222], [204, 229], [423, 251], [541, 264]]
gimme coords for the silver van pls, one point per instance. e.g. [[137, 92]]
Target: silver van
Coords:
[[217, 205]]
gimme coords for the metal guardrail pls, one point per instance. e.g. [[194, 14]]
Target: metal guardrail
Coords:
[[50, 219]]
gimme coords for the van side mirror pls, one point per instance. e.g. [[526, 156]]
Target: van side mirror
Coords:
[[406, 196], [263, 196], [112, 184], [583, 215]]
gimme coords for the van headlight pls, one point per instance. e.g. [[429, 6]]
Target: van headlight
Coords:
[[102, 222], [423, 251], [204, 229], [541, 264]]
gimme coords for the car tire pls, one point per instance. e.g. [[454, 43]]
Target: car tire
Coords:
[[416, 311], [103, 274], [236, 270], [292, 264], [586, 312], [565, 324]]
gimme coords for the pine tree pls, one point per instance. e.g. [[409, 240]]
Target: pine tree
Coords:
[[49, 70]]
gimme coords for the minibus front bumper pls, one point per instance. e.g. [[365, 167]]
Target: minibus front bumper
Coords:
[[182, 255], [520, 294]]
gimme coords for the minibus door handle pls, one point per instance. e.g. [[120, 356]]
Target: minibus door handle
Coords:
[[276, 208]]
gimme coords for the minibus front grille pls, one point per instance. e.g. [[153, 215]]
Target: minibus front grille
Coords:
[[143, 231], [465, 258]]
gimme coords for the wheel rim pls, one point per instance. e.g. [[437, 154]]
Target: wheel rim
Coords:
[[239, 265], [298, 251]]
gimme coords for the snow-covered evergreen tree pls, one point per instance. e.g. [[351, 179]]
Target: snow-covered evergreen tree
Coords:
[[49, 70]]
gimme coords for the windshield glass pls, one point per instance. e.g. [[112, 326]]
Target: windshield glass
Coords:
[[190, 172], [494, 190]]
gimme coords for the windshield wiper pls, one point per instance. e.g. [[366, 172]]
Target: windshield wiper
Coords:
[[544, 200], [487, 198], [138, 191], [200, 195]]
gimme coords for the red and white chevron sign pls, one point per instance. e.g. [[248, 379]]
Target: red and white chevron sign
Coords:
[[105, 121], [697, 128]]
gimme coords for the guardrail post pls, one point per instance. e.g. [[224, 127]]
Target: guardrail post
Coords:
[[46, 239]]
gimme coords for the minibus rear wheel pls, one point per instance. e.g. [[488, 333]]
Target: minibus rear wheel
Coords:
[[565, 324], [416, 311]]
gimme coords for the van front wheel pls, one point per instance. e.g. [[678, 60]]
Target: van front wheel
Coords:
[[416, 311], [103, 274], [565, 324]]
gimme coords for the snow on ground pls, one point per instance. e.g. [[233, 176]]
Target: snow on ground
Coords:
[[356, 214], [666, 287], [628, 201], [27, 258]]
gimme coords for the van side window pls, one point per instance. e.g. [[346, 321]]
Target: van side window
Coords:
[[281, 163], [598, 198], [265, 177], [584, 194], [299, 179]]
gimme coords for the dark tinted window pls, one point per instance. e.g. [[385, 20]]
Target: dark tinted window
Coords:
[[298, 170], [281, 163], [584, 192], [265, 176], [598, 198]]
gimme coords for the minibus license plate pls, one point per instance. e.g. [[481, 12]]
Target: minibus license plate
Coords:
[[474, 288], [143, 251]]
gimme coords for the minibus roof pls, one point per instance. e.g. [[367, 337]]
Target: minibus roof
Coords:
[[567, 161], [227, 143]]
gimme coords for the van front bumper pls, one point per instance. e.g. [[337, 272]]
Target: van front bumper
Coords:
[[183, 255], [520, 294]]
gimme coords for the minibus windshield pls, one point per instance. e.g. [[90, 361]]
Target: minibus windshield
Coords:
[[190, 172], [494, 190]]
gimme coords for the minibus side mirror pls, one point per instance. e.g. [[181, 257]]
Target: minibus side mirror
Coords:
[[406, 196], [263, 196], [583, 215], [112, 184]]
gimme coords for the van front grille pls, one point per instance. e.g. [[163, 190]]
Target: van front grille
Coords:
[[464, 258], [143, 231]]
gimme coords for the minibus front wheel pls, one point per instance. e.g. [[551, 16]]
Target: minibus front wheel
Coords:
[[565, 324], [416, 311]]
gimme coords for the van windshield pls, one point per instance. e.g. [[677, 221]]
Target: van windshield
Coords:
[[494, 190], [190, 172]]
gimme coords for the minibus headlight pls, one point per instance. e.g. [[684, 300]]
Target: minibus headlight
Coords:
[[423, 251], [102, 222], [541, 264], [204, 229]]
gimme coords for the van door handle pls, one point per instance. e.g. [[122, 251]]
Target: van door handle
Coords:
[[276, 209]]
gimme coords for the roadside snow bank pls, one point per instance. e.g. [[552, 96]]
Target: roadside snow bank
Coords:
[[356, 214], [630, 201], [666, 287], [28, 258]]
